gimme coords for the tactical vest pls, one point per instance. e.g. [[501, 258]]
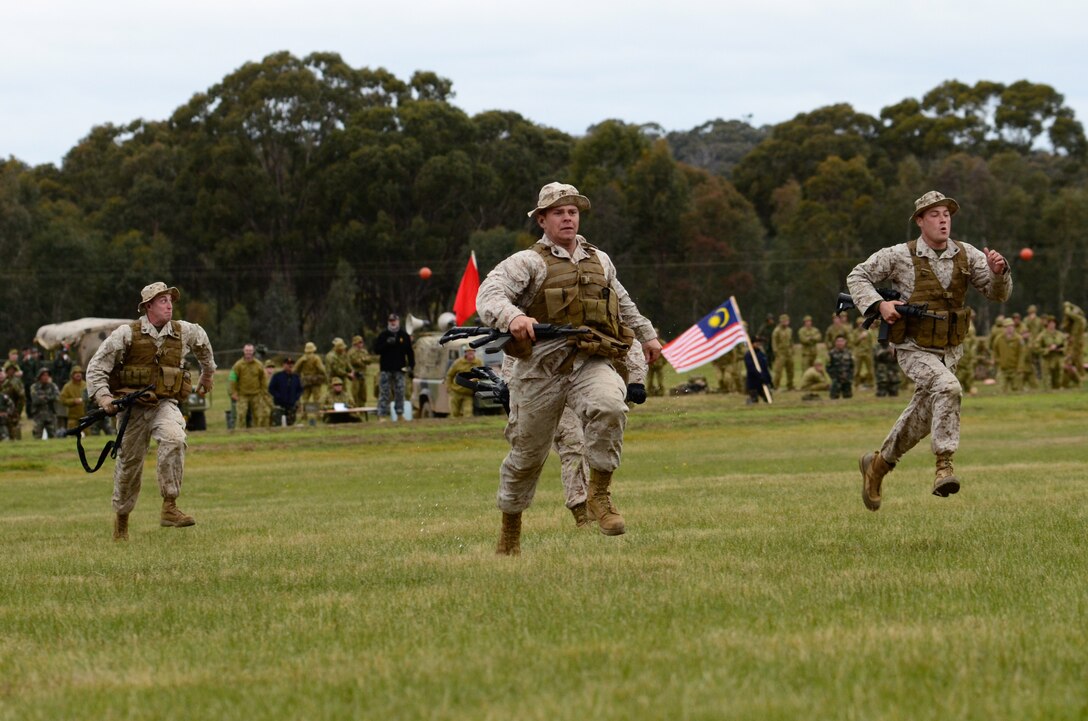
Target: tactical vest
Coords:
[[930, 332], [578, 294], [144, 364]]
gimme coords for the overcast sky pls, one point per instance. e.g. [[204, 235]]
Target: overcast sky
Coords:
[[67, 65]]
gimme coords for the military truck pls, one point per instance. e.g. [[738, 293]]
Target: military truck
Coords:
[[430, 396]]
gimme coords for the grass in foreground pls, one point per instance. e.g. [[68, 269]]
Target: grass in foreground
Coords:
[[349, 573]]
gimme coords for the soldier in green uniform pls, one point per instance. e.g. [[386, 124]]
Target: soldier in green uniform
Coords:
[[7, 409], [814, 381], [248, 386], [71, 397], [1029, 359], [360, 361], [12, 387], [461, 397], [338, 364], [808, 336], [782, 344], [1073, 324], [1051, 347], [837, 328], [863, 342], [311, 371], [731, 371], [965, 369], [1008, 356], [43, 395], [337, 396]]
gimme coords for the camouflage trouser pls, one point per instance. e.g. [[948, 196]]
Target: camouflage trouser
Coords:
[[570, 444], [255, 406], [5, 434], [887, 378], [460, 405], [47, 423], [844, 388], [390, 387], [933, 409], [164, 423], [595, 393], [14, 427]]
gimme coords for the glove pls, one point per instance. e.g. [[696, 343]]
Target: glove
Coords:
[[636, 393], [106, 404]]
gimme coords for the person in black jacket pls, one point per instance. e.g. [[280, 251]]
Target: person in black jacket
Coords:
[[760, 378], [285, 387], [393, 346]]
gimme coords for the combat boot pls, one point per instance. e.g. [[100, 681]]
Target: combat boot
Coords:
[[120, 527], [873, 469], [581, 517], [599, 504], [510, 538], [945, 483], [172, 515]]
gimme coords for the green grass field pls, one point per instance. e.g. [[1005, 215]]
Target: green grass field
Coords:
[[340, 573]]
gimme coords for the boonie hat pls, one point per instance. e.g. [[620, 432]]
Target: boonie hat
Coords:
[[77, 369], [150, 292], [336, 381], [310, 347], [356, 339], [338, 343], [554, 194], [783, 317], [931, 199]]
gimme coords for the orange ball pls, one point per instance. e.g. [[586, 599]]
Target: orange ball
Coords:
[[424, 272], [1026, 254]]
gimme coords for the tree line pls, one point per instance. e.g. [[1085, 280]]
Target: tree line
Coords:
[[296, 200]]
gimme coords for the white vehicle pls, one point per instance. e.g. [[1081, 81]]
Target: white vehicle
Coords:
[[430, 396]]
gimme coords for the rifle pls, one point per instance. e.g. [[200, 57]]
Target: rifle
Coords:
[[486, 383], [916, 310], [124, 403], [543, 331]]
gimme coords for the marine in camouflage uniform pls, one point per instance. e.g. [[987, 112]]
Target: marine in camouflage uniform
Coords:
[[12, 387], [360, 361], [782, 343], [151, 350], [809, 337], [840, 366], [43, 396], [311, 371], [562, 279], [937, 270], [862, 344]]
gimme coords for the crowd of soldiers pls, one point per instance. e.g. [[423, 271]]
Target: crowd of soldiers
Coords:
[[1029, 351], [301, 391], [52, 394]]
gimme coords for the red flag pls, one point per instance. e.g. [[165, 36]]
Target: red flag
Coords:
[[465, 304]]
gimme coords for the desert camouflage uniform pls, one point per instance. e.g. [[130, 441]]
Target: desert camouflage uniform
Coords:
[[935, 406], [540, 390], [162, 421], [338, 365]]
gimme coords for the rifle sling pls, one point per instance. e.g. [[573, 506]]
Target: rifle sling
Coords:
[[111, 447]]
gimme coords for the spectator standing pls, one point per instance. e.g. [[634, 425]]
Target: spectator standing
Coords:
[[12, 387], [360, 362], [43, 396], [286, 390], [393, 346], [71, 397], [247, 388], [311, 371]]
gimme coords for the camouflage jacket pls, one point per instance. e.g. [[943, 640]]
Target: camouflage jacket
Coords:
[[840, 365], [13, 389], [337, 365], [42, 398]]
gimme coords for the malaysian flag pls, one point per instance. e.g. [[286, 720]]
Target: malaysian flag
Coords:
[[710, 338]]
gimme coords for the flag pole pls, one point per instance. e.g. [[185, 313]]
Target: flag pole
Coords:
[[752, 350]]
